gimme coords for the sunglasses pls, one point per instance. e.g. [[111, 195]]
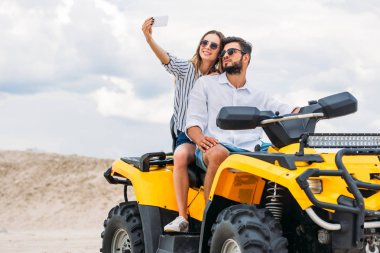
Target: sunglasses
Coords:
[[213, 45], [230, 51]]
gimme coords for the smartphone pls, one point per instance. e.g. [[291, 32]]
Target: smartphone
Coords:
[[160, 21]]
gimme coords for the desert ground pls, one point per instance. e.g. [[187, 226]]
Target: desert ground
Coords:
[[53, 203]]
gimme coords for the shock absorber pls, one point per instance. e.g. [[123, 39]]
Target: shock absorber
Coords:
[[372, 245], [273, 199]]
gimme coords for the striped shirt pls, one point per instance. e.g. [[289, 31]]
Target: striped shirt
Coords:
[[184, 73]]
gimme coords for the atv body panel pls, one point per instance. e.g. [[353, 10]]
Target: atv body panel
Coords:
[[293, 198]]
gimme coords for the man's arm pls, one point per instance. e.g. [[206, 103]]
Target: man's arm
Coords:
[[197, 117], [274, 105], [203, 142]]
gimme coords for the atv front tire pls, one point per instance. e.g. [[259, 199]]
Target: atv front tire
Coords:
[[123, 230], [246, 228]]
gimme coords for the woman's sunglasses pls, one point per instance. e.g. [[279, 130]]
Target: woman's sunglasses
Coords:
[[213, 45], [230, 52]]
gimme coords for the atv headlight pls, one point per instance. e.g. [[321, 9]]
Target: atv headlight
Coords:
[[315, 185], [343, 140]]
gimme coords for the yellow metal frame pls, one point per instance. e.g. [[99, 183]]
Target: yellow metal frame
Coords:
[[155, 188], [242, 179]]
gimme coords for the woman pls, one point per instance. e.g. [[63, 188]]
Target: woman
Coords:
[[186, 72]]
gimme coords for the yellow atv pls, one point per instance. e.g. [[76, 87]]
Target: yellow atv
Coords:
[[292, 198]]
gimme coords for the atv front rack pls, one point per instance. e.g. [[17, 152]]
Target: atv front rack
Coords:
[[346, 205]]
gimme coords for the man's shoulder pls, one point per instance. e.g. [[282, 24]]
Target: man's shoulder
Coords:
[[210, 79]]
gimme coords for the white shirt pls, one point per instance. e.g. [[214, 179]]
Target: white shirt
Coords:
[[211, 93]]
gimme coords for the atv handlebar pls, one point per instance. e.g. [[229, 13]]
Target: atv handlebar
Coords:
[[287, 129], [292, 117]]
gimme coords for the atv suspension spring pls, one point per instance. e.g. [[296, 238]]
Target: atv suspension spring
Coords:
[[273, 203]]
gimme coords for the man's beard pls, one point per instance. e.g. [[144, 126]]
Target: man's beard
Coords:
[[235, 68]]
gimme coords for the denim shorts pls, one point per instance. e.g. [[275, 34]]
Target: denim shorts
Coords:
[[182, 139], [199, 154]]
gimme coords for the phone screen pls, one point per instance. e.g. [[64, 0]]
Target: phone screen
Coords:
[[160, 21]]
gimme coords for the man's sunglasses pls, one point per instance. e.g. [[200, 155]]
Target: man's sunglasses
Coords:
[[230, 52], [213, 45]]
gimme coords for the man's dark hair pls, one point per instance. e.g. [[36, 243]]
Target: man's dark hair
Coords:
[[245, 45]]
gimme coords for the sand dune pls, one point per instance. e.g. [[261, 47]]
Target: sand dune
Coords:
[[53, 203]]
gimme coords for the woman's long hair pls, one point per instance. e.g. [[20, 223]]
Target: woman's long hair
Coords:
[[197, 60]]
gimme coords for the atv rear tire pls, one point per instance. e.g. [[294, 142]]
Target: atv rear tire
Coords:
[[123, 230], [246, 228]]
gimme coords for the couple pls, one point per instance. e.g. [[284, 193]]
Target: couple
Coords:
[[213, 78]]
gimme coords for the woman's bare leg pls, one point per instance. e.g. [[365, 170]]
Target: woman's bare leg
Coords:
[[183, 156]]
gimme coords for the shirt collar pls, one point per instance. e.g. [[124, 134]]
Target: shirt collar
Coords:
[[223, 80]]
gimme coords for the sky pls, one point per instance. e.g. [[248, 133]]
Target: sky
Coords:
[[77, 77]]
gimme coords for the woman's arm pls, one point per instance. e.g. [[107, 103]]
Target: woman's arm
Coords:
[[158, 51]]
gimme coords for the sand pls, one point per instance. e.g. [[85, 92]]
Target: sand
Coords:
[[53, 203]]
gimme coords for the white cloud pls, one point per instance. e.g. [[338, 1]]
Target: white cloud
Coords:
[[69, 123], [94, 50], [63, 11], [121, 100]]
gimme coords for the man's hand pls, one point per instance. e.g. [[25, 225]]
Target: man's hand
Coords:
[[206, 142], [296, 110], [203, 142]]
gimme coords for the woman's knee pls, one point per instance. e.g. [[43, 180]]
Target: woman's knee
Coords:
[[184, 154]]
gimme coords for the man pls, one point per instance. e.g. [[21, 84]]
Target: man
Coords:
[[210, 94]]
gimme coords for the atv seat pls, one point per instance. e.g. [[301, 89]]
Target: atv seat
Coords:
[[143, 163], [196, 176]]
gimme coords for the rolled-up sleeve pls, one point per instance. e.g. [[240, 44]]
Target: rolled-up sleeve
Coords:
[[177, 67], [197, 108], [274, 105]]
